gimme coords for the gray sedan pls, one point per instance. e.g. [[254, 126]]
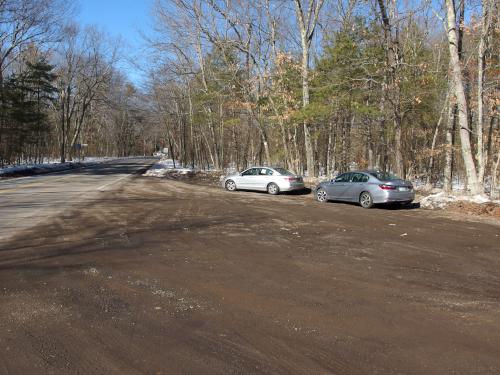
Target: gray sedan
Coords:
[[272, 180], [367, 188]]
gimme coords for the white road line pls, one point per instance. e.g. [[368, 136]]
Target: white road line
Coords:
[[103, 187]]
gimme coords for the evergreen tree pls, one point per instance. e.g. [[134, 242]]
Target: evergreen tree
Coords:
[[27, 98]]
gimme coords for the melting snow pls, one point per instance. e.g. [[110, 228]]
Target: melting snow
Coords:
[[51, 166], [165, 166], [442, 199]]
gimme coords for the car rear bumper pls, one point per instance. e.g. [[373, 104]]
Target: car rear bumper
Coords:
[[293, 186], [389, 196]]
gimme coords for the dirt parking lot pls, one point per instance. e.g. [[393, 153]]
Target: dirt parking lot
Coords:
[[164, 276]]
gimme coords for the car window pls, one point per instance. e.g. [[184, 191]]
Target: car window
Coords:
[[283, 172], [249, 172], [384, 176], [343, 177], [359, 177], [265, 172]]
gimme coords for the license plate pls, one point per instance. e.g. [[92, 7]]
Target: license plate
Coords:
[[403, 188]]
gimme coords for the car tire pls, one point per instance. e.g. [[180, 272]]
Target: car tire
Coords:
[[321, 195], [230, 185], [273, 189], [365, 200]]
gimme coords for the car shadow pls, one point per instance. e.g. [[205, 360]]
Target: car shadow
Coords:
[[397, 207], [383, 206], [305, 191]]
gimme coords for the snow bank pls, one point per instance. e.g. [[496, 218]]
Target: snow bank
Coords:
[[164, 167], [52, 166], [442, 199]]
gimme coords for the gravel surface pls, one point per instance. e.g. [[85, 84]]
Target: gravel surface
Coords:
[[160, 276]]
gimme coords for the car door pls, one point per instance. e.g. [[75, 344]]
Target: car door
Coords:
[[246, 180], [264, 177], [356, 186], [336, 188]]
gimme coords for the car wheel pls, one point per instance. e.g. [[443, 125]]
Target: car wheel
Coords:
[[321, 195], [365, 200], [273, 189], [230, 185]]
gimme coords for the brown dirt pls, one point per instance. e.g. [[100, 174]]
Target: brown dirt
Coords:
[[204, 178], [168, 277], [479, 209]]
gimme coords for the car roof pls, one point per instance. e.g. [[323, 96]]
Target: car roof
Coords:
[[357, 172], [261, 166]]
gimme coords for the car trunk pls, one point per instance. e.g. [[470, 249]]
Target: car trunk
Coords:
[[399, 184]]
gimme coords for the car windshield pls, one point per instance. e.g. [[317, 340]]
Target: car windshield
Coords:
[[384, 176], [283, 172]]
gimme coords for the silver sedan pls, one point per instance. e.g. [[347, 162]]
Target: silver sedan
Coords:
[[367, 188], [272, 180]]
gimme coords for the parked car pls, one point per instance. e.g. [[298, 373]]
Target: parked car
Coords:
[[367, 188], [272, 180]]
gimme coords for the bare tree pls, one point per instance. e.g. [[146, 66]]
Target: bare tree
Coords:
[[86, 66], [487, 6], [475, 186], [25, 22], [391, 84], [307, 13]]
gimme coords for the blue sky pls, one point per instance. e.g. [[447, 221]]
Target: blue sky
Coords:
[[119, 18]]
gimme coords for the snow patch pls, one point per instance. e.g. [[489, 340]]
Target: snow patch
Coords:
[[165, 166], [442, 199], [51, 166]]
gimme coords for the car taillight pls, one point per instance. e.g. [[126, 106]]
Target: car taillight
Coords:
[[290, 179], [387, 187]]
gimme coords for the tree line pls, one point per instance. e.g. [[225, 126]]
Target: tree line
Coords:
[[61, 88], [321, 87], [315, 86]]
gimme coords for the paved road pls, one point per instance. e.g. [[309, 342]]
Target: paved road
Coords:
[[27, 201]]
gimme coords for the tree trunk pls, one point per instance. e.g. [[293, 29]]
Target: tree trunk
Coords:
[[283, 133], [329, 149], [63, 133], [434, 140], [265, 143], [391, 86], [449, 145], [398, 154], [495, 192], [474, 184], [369, 142], [296, 152], [489, 142], [481, 63], [305, 102], [307, 24]]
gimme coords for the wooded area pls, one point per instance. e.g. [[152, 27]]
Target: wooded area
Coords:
[[315, 86]]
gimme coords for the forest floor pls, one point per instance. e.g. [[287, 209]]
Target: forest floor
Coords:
[[169, 276]]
